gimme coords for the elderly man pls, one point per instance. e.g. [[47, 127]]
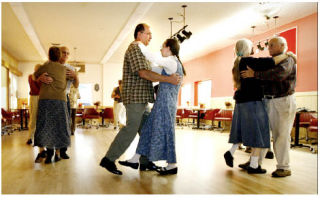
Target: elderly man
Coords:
[[72, 78], [279, 87], [137, 91]]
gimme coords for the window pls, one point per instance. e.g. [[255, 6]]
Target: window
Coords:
[[13, 91], [4, 88], [186, 92], [204, 92], [85, 91]]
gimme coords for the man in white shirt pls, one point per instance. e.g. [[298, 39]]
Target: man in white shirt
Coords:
[[72, 78]]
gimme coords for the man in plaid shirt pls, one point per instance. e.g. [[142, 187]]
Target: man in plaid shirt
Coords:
[[137, 92], [279, 87]]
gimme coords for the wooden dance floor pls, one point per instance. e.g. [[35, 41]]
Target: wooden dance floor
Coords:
[[201, 168]]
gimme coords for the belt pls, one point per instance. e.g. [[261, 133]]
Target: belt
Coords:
[[272, 96]]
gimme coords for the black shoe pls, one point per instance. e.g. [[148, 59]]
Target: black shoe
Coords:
[[150, 166], [164, 171], [64, 156], [29, 142], [228, 158], [256, 171], [130, 164], [245, 165], [49, 156], [63, 153], [40, 156], [56, 158], [269, 155], [110, 166], [248, 150]]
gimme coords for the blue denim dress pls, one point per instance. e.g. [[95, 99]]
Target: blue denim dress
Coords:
[[157, 138], [250, 125]]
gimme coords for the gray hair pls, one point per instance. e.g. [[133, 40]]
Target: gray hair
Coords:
[[282, 41], [243, 48]]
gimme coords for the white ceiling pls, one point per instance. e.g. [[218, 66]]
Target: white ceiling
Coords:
[[106, 28]]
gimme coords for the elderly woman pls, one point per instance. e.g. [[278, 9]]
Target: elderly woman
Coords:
[[250, 123], [53, 125]]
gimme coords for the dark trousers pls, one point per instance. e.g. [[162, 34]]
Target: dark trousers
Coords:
[[73, 120]]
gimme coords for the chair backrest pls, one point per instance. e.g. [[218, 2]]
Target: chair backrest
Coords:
[[80, 111], [186, 113], [208, 115], [224, 113], [108, 113], [90, 111], [215, 112], [314, 122], [179, 112], [305, 117], [6, 114]]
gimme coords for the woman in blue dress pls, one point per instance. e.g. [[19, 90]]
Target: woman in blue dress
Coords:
[[157, 137]]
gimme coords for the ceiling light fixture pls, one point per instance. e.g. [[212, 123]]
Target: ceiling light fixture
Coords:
[[178, 35]]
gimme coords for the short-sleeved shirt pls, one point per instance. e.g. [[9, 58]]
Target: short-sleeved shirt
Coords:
[[117, 92], [135, 89]]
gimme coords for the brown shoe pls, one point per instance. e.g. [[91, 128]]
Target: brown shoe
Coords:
[[281, 173]]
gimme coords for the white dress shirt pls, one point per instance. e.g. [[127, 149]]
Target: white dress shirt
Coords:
[[169, 64]]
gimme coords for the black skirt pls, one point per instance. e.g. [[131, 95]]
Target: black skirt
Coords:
[[53, 125]]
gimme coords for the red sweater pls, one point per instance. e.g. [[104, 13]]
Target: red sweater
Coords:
[[34, 86]]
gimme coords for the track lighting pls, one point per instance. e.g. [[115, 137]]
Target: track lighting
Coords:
[[180, 38], [184, 34]]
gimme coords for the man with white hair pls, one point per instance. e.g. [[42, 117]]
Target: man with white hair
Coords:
[[278, 91]]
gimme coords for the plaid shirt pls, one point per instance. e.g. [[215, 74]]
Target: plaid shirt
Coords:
[[281, 80], [135, 89]]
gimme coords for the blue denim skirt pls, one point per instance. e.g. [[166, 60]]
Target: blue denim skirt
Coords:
[[250, 125]]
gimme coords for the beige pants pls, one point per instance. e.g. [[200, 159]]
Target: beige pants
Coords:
[[119, 114], [281, 112], [33, 110]]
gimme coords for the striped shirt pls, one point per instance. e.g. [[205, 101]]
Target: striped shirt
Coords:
[[135, 89]]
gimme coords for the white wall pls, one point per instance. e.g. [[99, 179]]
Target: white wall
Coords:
[[93, 75], [112, 72], [26, 68]]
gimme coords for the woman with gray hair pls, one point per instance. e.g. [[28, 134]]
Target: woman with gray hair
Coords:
[[250, 124]]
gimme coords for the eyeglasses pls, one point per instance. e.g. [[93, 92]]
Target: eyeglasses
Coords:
[[147, 33]]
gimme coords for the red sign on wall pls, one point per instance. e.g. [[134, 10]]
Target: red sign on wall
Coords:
[[291, 37]]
